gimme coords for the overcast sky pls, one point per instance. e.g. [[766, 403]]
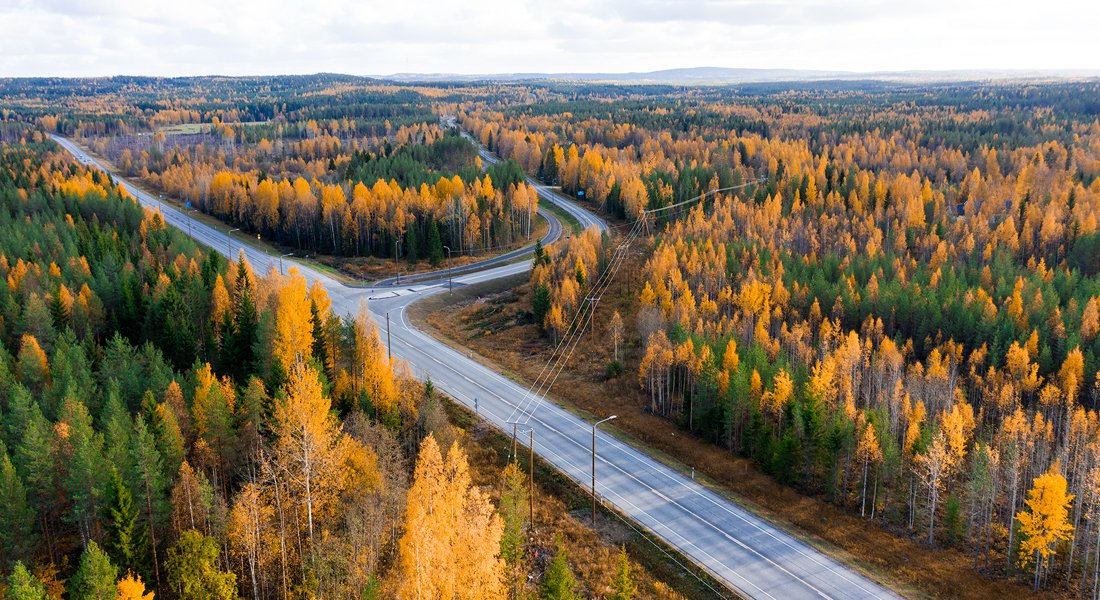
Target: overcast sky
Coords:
[[373, 37]]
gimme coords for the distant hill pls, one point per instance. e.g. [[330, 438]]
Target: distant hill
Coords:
[[725, 75]]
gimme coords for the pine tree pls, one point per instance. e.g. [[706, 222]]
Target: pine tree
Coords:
[[191, 570], [540, 304], [151, 484], [623, 584], [22, 585], [16, 516], [84, 478], [95, 577], [559, 582], [238, 349]]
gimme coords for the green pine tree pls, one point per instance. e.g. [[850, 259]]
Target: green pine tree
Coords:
[[623, 582], [95, 577], [23, 585], [16, 516], [559, 582], [151, 484], [192, 572]]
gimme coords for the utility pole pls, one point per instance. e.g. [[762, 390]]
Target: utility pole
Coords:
[[389, 344], [594, 425], [531, 476]]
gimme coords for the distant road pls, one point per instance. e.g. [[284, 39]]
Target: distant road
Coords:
[[584, 216], [747, 554]]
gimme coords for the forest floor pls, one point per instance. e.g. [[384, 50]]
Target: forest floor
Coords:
[[492, 321]]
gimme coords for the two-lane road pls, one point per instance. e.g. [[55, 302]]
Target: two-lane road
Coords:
[[738, 548]]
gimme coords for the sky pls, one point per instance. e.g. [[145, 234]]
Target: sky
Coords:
[[372, 37]]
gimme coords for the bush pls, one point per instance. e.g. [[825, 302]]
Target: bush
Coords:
[[614, 368]]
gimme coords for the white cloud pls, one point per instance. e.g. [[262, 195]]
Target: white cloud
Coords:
[[372, 37]]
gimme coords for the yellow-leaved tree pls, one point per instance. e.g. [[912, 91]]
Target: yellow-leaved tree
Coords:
[[293, 322], [310, 448], [130, 587], [451, 546], [1045, 522]]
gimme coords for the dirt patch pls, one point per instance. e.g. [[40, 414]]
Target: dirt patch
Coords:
[[492, 321]]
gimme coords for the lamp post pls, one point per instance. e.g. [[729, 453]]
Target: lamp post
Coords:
[[281, 261], [229, 241], [396, 264], [594, 425], [189, 219]]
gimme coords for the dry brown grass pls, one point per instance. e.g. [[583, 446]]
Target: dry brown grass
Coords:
[[489, 320]]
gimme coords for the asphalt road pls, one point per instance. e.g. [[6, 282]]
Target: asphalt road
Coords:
[[585, 217], [741, 550]]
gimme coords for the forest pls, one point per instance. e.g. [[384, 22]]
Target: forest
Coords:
[[900, 313], [885, 295], [328, 165], [175, 424]]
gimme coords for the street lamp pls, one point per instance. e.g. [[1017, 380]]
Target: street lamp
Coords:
[[594, 425], [281, 262], [189, 219], [229, 241]]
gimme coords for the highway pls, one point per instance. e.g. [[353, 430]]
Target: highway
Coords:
[[744, 552]]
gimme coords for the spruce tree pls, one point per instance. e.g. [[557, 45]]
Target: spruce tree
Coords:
[[123, 534], [435, 245]]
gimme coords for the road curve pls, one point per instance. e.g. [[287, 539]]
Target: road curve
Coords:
[[738, 548], [583, 216]]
